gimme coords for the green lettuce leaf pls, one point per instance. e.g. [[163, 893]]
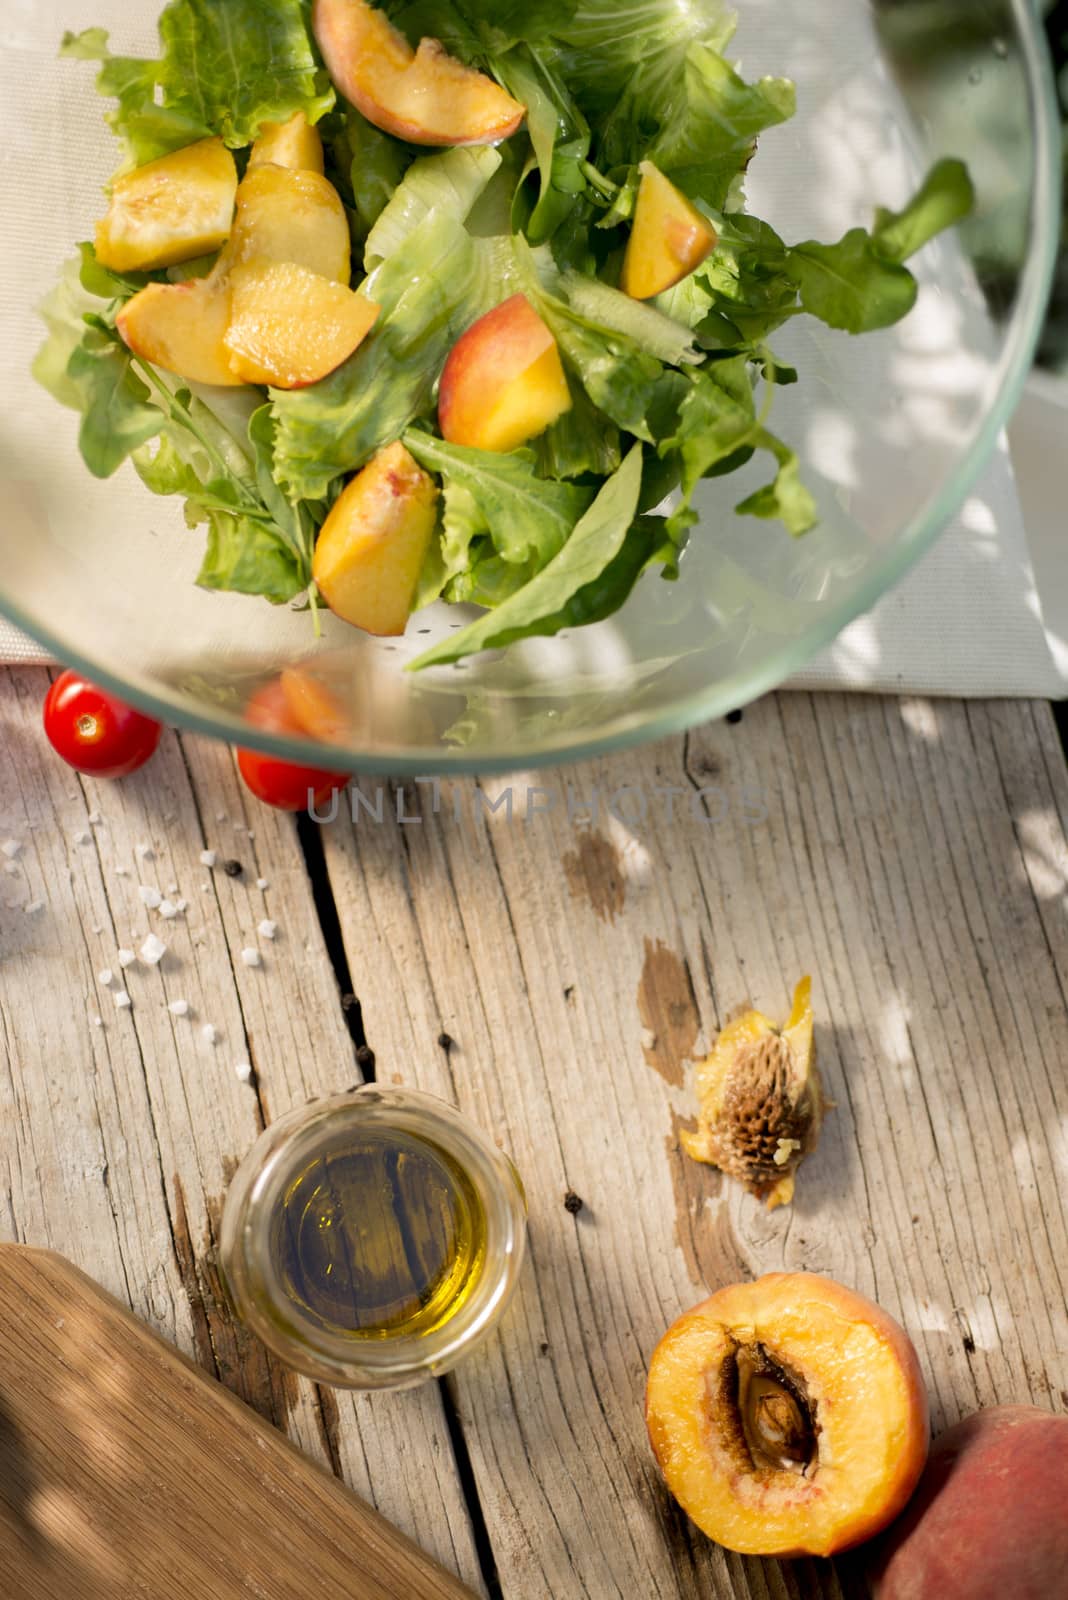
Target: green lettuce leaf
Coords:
[[709, 136], [526, 518], [541, 606], [225, 68], [450, 183]]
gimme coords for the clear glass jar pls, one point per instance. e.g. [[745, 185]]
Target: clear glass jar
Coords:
[[374, 1238]]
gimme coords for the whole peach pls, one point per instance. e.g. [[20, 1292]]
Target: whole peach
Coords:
[[989, 1520]]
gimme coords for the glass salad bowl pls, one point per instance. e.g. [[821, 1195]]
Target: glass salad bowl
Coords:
[[891, 429]]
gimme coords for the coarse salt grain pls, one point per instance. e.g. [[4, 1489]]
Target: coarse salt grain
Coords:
[[243, 1070], [172, 888], [153, 950], [261, 883], [144, 852], [166, 909], [208, 1033], [105, 976], [33, 906], [126, 958], [251, 958], [207, 858], [122, 1001], [267, 928], [98, 1022], [82, 837], [11, 848], [122, 872], [179, 1008], [94, 819], [149, 896]]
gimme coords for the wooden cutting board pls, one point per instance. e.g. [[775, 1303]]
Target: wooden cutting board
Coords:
[[127, 1474]]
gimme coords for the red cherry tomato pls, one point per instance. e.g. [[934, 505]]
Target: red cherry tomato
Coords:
[[279, 783], [95, 733]]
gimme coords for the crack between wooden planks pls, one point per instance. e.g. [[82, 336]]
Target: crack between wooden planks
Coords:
[[311, 842], [310, 839]]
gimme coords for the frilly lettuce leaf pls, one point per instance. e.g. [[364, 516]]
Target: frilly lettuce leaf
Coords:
[[224, 69]]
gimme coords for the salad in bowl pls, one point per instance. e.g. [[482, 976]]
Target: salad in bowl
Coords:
[[450, 300]]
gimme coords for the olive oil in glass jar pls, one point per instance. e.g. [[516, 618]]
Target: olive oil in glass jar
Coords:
[[373, 1238]]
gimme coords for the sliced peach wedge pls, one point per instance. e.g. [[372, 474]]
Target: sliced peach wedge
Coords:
[[289, 215], [181, 327], [788, 1415], [503, 382], [294, 144], [372, 546], [669, 239], [290, 327], [424, 96], [170, 210]]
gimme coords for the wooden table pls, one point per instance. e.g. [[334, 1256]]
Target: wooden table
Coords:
[[555, 978]]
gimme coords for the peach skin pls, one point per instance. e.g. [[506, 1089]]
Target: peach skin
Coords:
[[503, 382], [669, 239], [424, 96], [788, 1415], [989, 1520]]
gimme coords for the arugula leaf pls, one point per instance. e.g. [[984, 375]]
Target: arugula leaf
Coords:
[[245, 556], [946, 197], [747, 283], [581, 441], [225, 69], [849, 286], [525, 517], [716, 420], [860, 284], [540, 607], [117, 409], [786, 500]]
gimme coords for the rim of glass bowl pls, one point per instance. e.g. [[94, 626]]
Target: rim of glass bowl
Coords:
[[742, 688]]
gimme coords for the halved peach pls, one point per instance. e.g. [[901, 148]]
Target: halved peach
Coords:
[[373, 544], [170, 210], [424, 96], [283, 215], [289, 327], [181, 327], [503, 382], [294, 144], [788, 1415], [669, 239]]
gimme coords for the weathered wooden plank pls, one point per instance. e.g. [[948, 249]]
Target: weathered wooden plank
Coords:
[[912, 857], [117, 1142]]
